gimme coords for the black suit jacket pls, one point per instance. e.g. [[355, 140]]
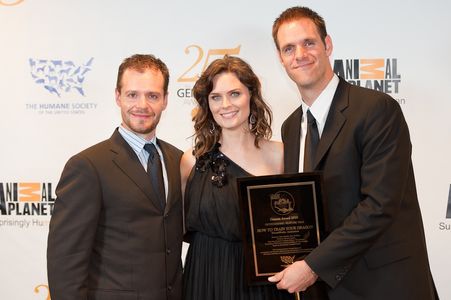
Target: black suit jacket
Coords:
[[109, 237], [376, 247]]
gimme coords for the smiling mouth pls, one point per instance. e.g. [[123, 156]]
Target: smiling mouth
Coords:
[[304, 65], [141, 115], [229, 115]]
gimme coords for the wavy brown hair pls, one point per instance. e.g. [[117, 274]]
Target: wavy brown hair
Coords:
[[205, 137]]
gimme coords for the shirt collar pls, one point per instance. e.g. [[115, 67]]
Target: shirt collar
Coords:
[[136, 142], [320, 107]]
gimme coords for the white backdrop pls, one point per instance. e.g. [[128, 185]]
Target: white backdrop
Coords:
[[58, 67]]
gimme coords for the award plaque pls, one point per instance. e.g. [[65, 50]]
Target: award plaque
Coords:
[[282, 221]]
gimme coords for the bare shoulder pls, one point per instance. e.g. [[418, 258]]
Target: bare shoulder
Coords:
[[273, 152], [187, 162], [273, 147]]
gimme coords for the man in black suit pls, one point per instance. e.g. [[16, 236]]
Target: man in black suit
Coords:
[[375, 248], [112, 234]]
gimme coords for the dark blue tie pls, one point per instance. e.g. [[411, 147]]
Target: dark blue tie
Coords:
[[311, 142], [155, 172]]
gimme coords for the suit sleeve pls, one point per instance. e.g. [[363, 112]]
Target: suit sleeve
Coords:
[[385, 166], [72, 229]]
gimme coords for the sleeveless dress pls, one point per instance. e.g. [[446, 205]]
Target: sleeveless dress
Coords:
[[214, 267]]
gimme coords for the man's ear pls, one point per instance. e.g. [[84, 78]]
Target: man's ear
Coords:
[[280, 57], [329, 45], [117, 96], [165, 100]]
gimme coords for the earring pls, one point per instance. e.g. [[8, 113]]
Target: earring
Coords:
[[252, 121], [212, 128]]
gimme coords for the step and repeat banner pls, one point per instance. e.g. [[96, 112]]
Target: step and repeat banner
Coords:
[[58, 68]]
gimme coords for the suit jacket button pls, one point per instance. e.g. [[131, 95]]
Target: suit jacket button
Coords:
[[338, 277], [168, 251], [169, 288]]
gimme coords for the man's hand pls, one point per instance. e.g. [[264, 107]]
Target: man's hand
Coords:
[[295, 278]]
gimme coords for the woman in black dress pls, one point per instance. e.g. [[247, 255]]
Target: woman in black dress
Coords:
[[232, 130]]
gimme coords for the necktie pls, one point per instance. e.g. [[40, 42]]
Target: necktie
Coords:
[[155, 172], [311, 142]]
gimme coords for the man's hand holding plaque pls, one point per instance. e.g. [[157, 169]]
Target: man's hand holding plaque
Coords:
[[295, 278]]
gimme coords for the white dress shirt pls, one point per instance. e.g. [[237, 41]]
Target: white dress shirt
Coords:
[[319, 110]]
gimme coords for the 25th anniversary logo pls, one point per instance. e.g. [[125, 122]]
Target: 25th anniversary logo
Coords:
[[200, 63], [10, 3]]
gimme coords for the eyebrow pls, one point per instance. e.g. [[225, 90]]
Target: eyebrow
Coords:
[[145, 92], [309, 39], [229, 91]]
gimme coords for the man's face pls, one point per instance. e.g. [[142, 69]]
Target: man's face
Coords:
[[304, 55], [142, 100]]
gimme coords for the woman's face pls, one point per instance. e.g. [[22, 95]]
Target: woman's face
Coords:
[[229, 102]]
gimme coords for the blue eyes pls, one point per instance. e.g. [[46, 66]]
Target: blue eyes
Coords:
[[233, 94], [134, 96], [290, 49]]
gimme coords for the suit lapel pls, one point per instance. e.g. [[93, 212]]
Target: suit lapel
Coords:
[[291, 133], [125, 158], [334, 122]]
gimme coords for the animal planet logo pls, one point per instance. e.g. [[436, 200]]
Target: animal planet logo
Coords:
[[58, 76], [380, 74], [446, 225], [26, 199], [448, 211]]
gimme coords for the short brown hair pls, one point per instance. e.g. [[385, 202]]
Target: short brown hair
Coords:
[[205, 138], [141, 62], [296, 13]]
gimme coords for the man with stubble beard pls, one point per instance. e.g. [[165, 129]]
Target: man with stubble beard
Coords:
[[116, 231]]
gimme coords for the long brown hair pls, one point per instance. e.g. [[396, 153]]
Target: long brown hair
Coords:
[[207, 131]]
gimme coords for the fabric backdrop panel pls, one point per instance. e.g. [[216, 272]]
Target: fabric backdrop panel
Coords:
[[58, 71]]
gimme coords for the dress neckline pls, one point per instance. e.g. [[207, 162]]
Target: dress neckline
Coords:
[[217, 162], [237, 165]]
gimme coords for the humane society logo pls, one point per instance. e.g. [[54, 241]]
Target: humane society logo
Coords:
[[58, 76], [62, 80]]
